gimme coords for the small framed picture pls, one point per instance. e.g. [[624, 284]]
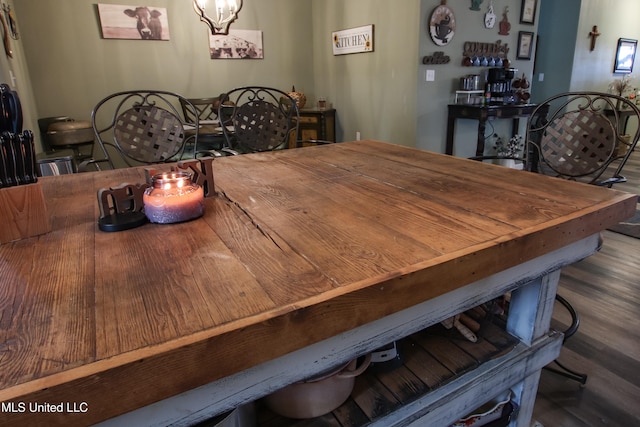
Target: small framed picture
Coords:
[[528, 12], [625, 55], [525, 45]]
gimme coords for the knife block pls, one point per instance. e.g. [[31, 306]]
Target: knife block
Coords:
[[23, 212]]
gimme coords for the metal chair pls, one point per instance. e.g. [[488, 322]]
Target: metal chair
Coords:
[[141, 127], [260, 119], [579, 136], [582, 138], [210, 136]]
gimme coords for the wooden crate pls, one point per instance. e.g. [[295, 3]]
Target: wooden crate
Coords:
[[23, 212]]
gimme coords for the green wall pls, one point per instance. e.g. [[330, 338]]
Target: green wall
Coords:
[[375, 92], [70, 67]]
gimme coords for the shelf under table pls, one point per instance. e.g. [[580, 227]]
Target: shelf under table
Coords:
[[437, 362]]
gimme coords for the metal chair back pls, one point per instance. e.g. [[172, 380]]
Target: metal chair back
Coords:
[[142, 127], [259, 119], [583, 137]]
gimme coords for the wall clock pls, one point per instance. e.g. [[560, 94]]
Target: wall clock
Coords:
[[442, 24]]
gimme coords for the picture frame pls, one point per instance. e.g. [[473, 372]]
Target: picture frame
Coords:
[[133, 22], [625, 56], [528, 12], [238, 44], [525, 45], [353, 40]]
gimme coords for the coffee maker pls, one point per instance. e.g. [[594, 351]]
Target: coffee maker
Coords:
[[499, 85]]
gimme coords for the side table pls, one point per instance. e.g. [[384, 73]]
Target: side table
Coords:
[[482, 114], [317, 124]]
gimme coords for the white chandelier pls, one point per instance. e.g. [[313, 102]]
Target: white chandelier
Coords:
[[226, 11]]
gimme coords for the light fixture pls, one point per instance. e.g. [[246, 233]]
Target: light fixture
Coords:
[[226, 11]]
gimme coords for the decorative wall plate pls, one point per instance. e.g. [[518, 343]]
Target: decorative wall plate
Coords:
[[442, 24], [490, 17]]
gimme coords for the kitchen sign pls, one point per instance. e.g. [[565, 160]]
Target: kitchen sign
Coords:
[[353, 40]]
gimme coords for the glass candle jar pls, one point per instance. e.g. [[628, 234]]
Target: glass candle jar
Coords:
[[173, 197]]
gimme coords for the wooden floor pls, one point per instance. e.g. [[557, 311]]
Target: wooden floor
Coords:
[[605, 290]]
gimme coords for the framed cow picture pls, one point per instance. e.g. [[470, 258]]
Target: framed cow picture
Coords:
[[133, 22]]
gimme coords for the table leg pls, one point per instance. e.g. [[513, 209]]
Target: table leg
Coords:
[[451, 124], [482, 126]]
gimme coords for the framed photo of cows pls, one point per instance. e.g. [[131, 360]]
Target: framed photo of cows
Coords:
[[133, 22]]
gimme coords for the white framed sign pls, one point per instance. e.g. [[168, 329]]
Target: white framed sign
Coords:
[[353, 40]]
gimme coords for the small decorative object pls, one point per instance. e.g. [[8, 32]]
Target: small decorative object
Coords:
[[473, 52], [510, 149], [621, 87], [436, 58], [490, 17], [442, 24], [475, 4], [201, 171], [593, 34], [121, 207], [7, 43], [505, 26], [521, 85], [528, 12], [353, 40], [11, 21], [625, 55], [173, 197], [299, 97], [525, 45]]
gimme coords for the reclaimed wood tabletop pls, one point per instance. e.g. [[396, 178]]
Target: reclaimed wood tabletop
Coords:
[[295, 247]]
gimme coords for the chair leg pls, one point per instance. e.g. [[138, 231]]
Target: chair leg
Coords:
[[567, 372], [571, 330]]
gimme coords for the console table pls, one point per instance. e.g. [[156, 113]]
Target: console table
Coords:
[[482, 114], [624, 118]]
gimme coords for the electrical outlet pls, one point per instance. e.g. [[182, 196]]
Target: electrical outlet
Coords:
[[357, 136], [540, 77], [430, 75]]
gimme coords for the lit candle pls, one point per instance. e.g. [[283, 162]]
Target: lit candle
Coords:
[[173, 197]]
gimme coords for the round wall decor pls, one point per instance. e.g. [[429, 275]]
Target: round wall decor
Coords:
[[442, 24]]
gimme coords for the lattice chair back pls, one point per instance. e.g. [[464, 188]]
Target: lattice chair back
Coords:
[[206, 108], [583, 137], [260, 118], [142, 127]]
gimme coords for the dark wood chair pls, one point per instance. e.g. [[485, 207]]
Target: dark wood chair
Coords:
[[141, 127]]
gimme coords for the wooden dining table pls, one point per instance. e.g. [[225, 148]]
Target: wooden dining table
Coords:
[[304, 258]]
